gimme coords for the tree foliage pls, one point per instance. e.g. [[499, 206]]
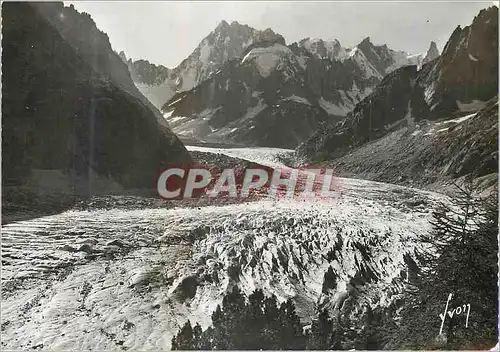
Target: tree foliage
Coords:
[[461, 260]]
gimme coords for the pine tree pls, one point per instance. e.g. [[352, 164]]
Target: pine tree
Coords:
[[272, 324], [329, 281]]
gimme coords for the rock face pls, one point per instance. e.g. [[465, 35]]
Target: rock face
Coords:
[[430, 152], [261, 99], [379, 60], [225, 42], [69, 103], [150, 79], [143, 71], [338, 84], [455, 82]]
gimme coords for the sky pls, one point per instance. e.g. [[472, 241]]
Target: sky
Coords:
[[167, 32]]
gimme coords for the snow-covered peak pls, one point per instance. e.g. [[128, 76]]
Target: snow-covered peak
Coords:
[[386, 60], [323, 49], [431, 53], [353, 51], [402, 58]]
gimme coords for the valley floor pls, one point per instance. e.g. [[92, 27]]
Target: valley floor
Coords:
[[113, 279]]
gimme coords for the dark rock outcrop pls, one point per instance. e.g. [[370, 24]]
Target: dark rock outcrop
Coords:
[[68, 104], [373, 117]]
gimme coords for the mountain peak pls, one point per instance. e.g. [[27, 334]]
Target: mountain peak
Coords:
[[431, 53], [366, 41], [433, 47], [222, 24]]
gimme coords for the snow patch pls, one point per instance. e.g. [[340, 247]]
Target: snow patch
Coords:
[[176, 101], [353, 51], [298, 99], [208, 113], [333, 109], [253, 111], [429, 92]]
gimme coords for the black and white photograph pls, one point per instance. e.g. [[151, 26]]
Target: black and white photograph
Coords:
[[249, 175]]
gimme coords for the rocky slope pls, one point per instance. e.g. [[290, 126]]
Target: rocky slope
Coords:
[[71, 114], [370, 119], [431, 54], [448, 87]]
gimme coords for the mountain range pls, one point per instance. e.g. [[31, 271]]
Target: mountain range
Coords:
[[458, 83], [242, 85]]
